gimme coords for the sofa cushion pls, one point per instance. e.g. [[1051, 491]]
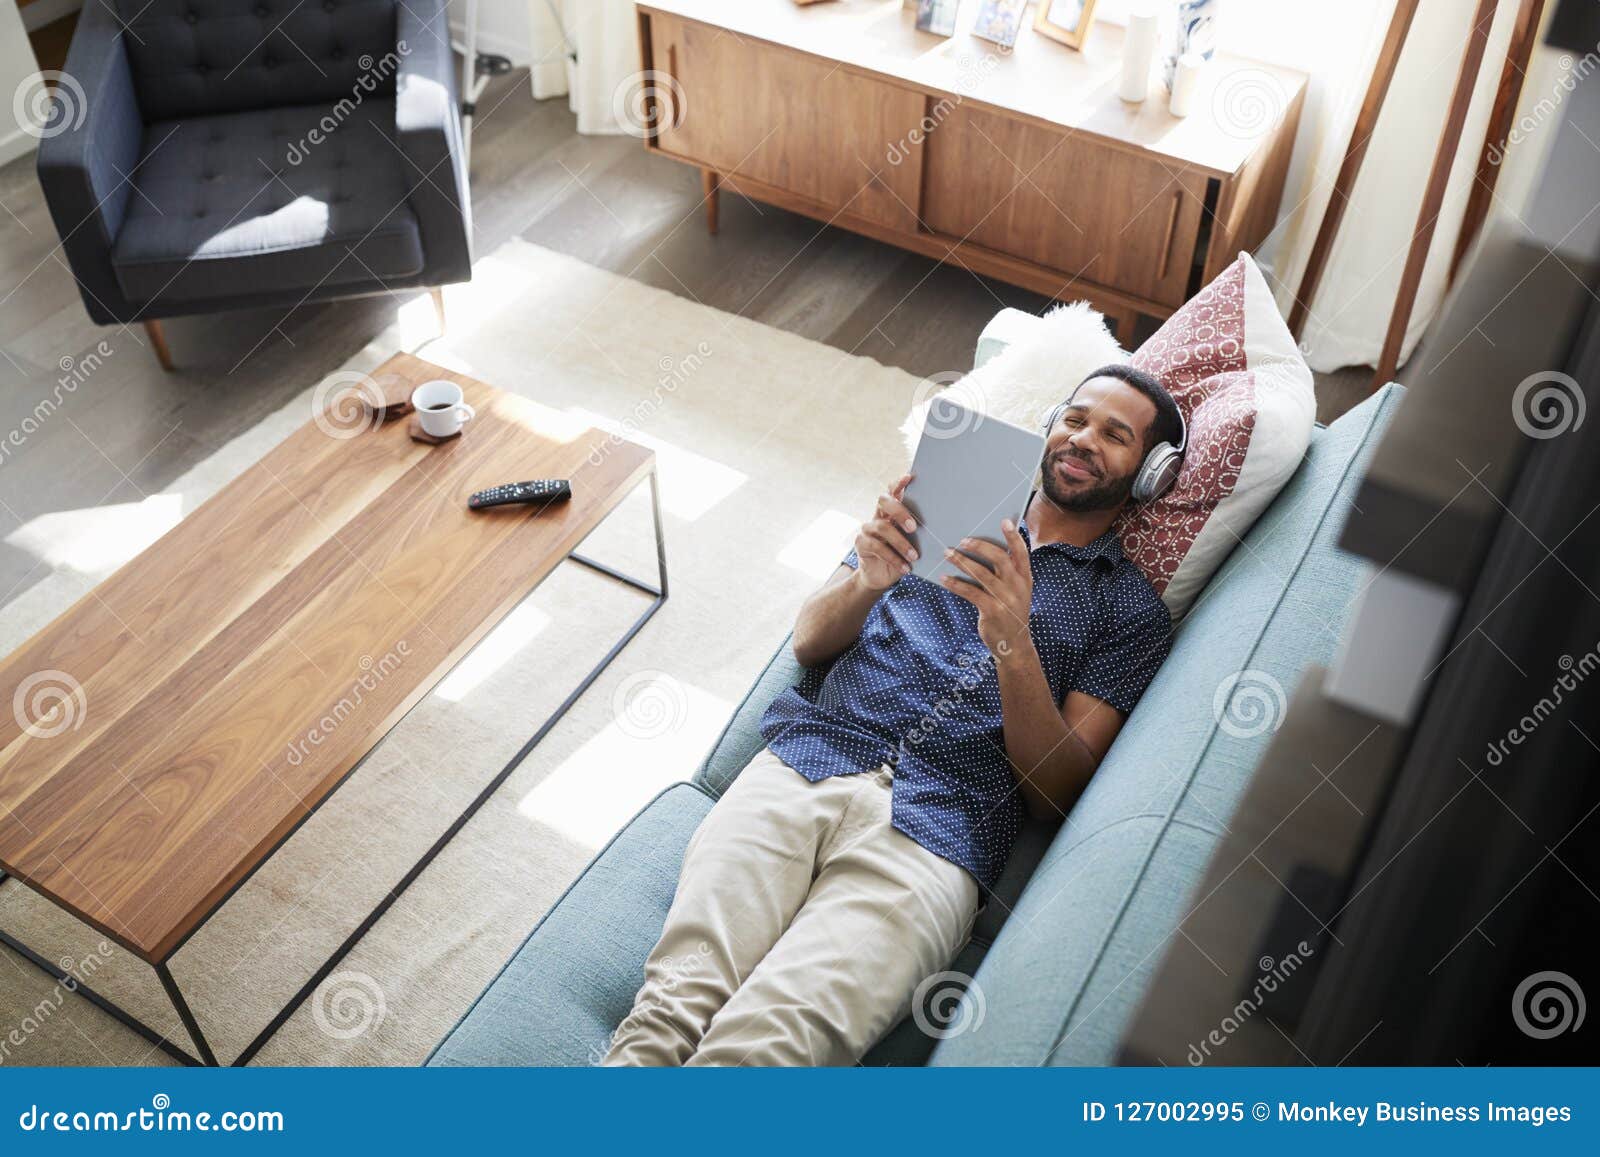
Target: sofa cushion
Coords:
[[559, 999], [267, 201], [1069, 966], [211, 56], [1235, 371]]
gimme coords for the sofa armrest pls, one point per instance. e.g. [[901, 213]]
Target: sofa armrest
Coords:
[[741, 738], [87, 156], [428, 133]]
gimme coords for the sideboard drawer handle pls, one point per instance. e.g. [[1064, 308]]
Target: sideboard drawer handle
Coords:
[[667, 92], [1172, 232]]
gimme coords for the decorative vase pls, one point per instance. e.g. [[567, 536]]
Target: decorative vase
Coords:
[[1194, 30], [1139, 46]]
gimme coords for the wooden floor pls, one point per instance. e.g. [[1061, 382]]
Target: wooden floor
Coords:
[[114, 428]]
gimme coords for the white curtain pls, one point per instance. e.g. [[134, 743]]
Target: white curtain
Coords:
[[1338, 45], [604, 37]]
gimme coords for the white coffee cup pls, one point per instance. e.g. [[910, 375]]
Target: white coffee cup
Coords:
[[441, 408]]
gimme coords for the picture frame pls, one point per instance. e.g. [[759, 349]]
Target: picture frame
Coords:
[[937, 16], [999, 21], [1064, 21]]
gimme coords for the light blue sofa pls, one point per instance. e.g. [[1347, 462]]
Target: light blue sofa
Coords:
[[1061, 956]]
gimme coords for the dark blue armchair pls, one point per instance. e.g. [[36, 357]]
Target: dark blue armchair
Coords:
[[235, 154]]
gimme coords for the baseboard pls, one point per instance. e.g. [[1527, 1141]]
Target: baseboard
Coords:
[[16, 144]]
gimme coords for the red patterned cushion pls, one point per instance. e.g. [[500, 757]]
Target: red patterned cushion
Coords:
[[1246, 393]]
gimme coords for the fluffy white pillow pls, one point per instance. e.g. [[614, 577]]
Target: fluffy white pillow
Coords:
[[1026, 380]]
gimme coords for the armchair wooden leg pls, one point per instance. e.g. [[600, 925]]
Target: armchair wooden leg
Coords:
[[711, 184], [438, 307], [158, 342]]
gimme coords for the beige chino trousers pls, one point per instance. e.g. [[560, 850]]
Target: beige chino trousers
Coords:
[[802, 925]]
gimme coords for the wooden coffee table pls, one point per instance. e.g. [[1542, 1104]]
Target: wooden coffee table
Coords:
[[174, 727]]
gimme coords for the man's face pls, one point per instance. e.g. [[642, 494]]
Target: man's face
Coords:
[[1093, 452]]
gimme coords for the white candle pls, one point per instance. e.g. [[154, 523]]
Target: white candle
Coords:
[[1184, 82], [1138, 52]]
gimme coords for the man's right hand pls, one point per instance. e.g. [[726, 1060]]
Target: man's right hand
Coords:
[[830, 621], [883, 548]]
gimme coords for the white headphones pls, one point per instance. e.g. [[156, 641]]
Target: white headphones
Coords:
[[1161, 465]]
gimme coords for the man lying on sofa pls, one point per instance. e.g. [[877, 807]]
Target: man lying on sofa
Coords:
[[846, 862]]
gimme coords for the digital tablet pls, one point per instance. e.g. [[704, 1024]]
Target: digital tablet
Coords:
[[970, 471]]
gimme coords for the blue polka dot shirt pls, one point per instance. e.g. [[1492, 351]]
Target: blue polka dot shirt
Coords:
[[919, 691]]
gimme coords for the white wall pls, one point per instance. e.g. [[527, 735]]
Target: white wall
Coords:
[[16, 66], [502, 26]]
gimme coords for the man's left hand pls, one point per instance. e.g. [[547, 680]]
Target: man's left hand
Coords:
[[1001, 589]]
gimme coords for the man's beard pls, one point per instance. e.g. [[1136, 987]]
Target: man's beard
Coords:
[[1105, 494]]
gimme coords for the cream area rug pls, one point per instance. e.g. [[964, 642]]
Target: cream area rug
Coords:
[[770, 447]]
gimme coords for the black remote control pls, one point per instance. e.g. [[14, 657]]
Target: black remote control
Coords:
[[540, 492]]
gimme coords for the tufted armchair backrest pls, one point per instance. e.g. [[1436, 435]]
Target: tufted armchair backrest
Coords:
[[197, 57]]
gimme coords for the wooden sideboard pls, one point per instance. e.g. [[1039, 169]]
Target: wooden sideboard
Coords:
[[1023, 165]]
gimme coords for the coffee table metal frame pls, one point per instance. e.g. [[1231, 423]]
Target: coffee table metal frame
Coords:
[[207, 1057]]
